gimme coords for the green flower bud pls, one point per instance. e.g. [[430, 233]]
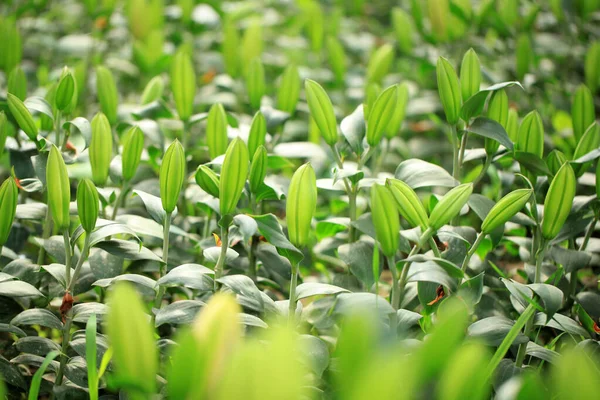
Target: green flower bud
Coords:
[[233, 176], [498, 111], [4, 129], [258, 132], [65, 91], [100, 149], [379, 63], [87, 205], [216, 131], [301, 204], [381, 114], [371, 93], [183, 84], [591, 66], [399, 111], [385, 219], [258, 169], [337, 58], [154, 90], [450, 205], [17, 83], [531, 134], [208, 180], [46, 123], [582, 111], [449, 90], [9, 197], [230, 46], [404, 30], [107, 93], [512, 125], [59, 189], [408, 202], [133, 145], [255, 83], [559, 201], [505, 209], [10, 38], [439, 15], [321, 109], [524, 56], [470, 74], [289, 90], [23, 117], [172, 174], [555, 161]]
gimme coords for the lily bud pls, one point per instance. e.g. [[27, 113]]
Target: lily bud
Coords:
[[385, 219], [59, 189], [23, 117], [380, 115], [498, 111], [258, 169], [66, 91], [399, 111], [450, 205], [559, 201], [183, 84], [87, 205], [531, 134], [216, 131], [289, 90], [582, 111], [321, 110], [133, 145], [172, 174], [9, 197], [3, 130], [154, 90], [17, 83], [588, 142], [470, 74], [208, 180], [107, 93], [409, 204], [505, 209], [449, 90], [258, 132], [255, 83], [100, 149], [301, 204], [555, 161], [233, 176]]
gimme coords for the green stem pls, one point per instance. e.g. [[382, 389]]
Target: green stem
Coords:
[[57, 129], [486, 165], [252, 258], [455, 146], [292, 300], [165, 256], [588, 233], [509, 339], [68, 255], [120, 199], [63, 351], [222, 255], [434, 248], [82, 258], [45, 235], [463, 147], [472, 251], [395, 283], [206, 231]]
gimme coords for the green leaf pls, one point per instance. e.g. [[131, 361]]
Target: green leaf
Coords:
[[90, 356], [491, 129], [127, 250], [418, 173], [178, 313], [551, 296], [493, 330], [315, 289], [247, 293], [193, 276], [37, 316], [474, 105], [34, 389]]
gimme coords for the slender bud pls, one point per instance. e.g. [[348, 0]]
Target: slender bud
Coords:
[[133, 145], [582, 111], [107, 93], [289, 90], [183, 84], [258, 169], [301, 204], [321, 110], [555, 161], [87, 205], [9, 197], [4, 129], [216, 131], [559, 201], [66, 91], [385, 219], [17, 83], [255, 83], [172, 174], [399, 111], [100, 149], [450, 205], [449, 90], [233, 176], [380, 115], [258, 132], [208, 180], [498, 111], [531, 134], [154, 90], [59, 191], [470, 74], [505, 209], [408, 202], [23, 117], [379, 63]]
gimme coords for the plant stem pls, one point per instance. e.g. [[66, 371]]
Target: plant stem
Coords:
[[63, 350], [472, 251], [434, 248], [45, 234], [222, 255], [252, 258], [510, 338], [120, 199], [463, 146], [588, 233], [486, 165], [82, 258], [455, 145], [165, 256], [206, 231], [67, 255], [57, 129], [395, 283], [292, 300]]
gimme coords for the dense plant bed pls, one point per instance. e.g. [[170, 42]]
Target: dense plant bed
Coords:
[[299, 199]]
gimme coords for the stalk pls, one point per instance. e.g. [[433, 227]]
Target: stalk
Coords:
[[253, 245], [395, 283], [84, 254], [45, 235], [206, 230], [63, 350], [401, 286], [165, 256], [57, 129], [434, 248], [222, 255], [455, 145], [510, 338], [68, 255], [120, 199], [463, 146], [588, 233], [486, 165], [292, 300], [472, 251]]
